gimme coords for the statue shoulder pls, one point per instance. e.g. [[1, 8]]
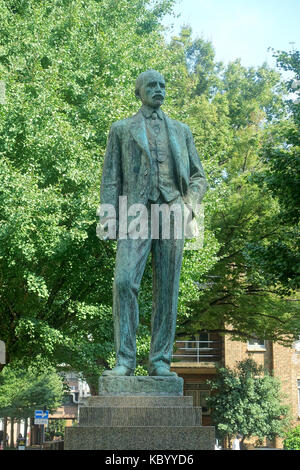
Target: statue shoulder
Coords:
[[122, 124], [181, 126]]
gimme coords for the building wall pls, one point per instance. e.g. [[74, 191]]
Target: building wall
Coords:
[[286, 365], [235, 351]]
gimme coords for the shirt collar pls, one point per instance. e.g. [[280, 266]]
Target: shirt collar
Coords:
[[148, 111]]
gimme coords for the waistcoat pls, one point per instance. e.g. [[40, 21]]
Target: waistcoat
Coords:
[[162, 177]]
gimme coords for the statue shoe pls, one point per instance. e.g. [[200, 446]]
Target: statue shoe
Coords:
[[162, 371], [118, 371]]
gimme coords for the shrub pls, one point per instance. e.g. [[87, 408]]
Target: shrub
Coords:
[[292, 440]]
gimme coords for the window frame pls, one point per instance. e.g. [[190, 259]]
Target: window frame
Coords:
[[257, 345], [195, 390]]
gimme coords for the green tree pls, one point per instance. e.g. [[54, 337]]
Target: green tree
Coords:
[[55, 428], [199, 57], [279, 259], [69, 69], [230, 123], [283, 155], [23, 390], [247, 400]]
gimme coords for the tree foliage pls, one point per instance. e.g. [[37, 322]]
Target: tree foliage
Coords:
[[280, 258], [24, 390], [69, 69], [292, 439], [230, 122]]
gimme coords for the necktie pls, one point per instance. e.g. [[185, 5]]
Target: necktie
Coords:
[[155, 123], [158, 149]]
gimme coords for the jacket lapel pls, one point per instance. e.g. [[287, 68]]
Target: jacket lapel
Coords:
[[180, 169], [175, 148], [138, 132]]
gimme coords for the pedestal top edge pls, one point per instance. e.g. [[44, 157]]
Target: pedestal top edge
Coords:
[[138, 401]]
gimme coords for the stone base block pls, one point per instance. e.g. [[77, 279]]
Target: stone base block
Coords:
[[140, 385], [140, 438], [138, 401], [131, 416]]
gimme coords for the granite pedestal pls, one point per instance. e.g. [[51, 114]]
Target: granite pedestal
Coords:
[[140, 413]]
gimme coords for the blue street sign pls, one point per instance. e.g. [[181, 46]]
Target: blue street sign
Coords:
[[41, 417], [40, 414]]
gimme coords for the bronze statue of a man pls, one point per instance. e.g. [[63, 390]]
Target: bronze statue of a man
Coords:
[[151, 160]]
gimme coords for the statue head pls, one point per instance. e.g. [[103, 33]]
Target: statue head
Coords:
[[150, 88]]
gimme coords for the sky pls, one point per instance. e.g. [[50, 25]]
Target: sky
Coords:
[[242, 29]]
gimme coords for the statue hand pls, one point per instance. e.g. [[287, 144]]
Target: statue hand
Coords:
[[107, 229]]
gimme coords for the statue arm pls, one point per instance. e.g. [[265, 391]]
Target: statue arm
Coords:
[[111, 181], [198, 184]]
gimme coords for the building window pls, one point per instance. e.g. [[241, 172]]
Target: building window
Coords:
[[190, 344], [202, 347], [200, 393], [199, 341], [256, 345]]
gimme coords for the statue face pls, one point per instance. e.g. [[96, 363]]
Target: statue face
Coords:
[[152, 91]]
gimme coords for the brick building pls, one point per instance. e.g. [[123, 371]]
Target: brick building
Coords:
[[196, 360]]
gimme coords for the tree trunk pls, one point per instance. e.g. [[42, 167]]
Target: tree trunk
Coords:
[[25, 430], [12, 444], [93, 386], [31, 431], [4, 432]]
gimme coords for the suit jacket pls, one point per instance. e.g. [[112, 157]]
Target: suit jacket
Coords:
[[127, 163]]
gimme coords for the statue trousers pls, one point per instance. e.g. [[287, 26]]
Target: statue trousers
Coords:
[[131, 258]]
